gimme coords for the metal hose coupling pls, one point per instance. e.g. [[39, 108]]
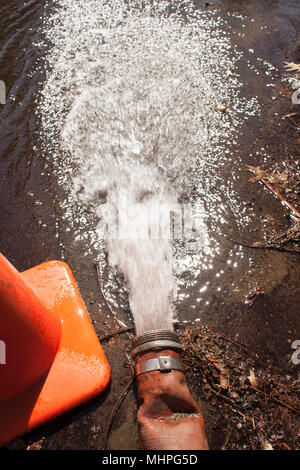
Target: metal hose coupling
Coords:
[[168, 416], [155, 341]]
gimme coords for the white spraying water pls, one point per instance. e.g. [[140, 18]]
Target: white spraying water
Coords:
[[130, 118]]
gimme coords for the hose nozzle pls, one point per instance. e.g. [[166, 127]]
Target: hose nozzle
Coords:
[[155, 341]]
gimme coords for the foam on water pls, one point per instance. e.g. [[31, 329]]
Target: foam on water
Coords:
[[131, 118]]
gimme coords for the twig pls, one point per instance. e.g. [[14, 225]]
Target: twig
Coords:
[[229, 400], [295, 123], [115, 333], [261, 246], [243, 348], [228, 435], [116, 409], [281, 198], [266, 401], [249, 353], [130, 363], [275, 399], [258, 172]]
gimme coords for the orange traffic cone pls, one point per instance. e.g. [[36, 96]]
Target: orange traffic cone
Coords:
[[50, 357]]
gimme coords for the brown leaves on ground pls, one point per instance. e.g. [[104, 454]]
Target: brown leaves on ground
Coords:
[[257, 406], [260, 174], [285, 177], [224, 375]]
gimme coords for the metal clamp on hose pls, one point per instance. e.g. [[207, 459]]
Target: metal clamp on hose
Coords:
[[161, 363]]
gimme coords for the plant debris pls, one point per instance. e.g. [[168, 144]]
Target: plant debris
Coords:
[[292, 67], [251, 298], [258, 406], [283, 180]]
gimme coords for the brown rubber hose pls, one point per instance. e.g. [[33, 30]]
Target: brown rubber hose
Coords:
[[168, 417]]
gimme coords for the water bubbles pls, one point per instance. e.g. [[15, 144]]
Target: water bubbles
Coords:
[[129, 110]]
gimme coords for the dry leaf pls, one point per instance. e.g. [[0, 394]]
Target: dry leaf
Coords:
[[252, 379], [267, 446], [36, 445], [224, 374], [292, 67], [259, 173], [224, 379]]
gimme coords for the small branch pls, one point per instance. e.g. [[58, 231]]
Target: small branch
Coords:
[[115, 333], [228, 435], [259, 177], [131, 364], [229, 401], [261, 246], [275, 399], [281, 198], [243, 349]]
